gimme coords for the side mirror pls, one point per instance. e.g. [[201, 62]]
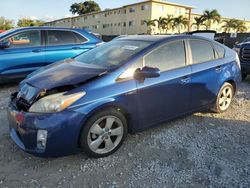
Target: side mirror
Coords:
[[146, 72], [4, 45]]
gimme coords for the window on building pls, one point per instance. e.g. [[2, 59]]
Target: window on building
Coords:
[[25, 39], [132, 9], [202, 51], [165, 57], [56, 37], [142, 22], [161, 7], [124, 11], [144, 7], [124, 24], [131, 23]]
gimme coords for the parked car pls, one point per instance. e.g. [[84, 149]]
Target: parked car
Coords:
[[243, 50], [92, 101], [24, 50]]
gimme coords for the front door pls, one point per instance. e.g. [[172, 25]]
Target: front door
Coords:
[[167, 96], [25, 54]]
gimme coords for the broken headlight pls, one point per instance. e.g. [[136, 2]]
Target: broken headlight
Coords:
[[55, 103]]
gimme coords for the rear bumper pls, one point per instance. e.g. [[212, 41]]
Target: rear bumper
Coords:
[[63, 131]]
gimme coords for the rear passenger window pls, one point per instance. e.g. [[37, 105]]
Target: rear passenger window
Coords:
[[220, 50], [64, 37], [202, 51], [167, 57]]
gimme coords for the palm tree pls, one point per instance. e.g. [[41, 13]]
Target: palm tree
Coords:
[[167, 23], [229, 25], [150, 24], [161, 23], [180, 22], [199, 21], [211, 17], [235, 25], [240, 26]]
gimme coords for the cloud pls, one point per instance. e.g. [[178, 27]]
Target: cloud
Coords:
[[67, 15]]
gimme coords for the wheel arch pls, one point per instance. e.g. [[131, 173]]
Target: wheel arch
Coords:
[[107, 106]]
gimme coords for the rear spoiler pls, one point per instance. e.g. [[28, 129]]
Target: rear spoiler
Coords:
[[210, 34]]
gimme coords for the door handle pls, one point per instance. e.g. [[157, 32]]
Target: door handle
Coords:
[[76, 48], [185, 80], [218, 69], [37, 51]]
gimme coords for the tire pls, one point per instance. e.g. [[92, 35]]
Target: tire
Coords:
[[244, 76], [103, 133], [224, 98]]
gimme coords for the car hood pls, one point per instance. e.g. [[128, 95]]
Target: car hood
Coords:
[[65, 73]]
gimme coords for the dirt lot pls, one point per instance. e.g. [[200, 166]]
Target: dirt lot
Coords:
[[201, 150]]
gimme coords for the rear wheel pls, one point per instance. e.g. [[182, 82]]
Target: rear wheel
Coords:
[[224, 98], [103, 133], [244, 76]]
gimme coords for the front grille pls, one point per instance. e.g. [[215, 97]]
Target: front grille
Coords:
[[245, 54]]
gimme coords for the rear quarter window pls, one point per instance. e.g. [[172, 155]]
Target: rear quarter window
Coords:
[[220, 50]]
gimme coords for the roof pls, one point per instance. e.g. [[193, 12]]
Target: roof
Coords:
[[125, 6], [150, 38]]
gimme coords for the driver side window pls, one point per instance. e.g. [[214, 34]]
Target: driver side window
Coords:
[[25, 39], [167, 57]]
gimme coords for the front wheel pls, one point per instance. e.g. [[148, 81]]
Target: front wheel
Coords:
[[103, 133], [224, 98]]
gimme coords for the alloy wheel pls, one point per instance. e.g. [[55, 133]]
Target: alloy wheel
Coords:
[[225, 98], [105, 134]]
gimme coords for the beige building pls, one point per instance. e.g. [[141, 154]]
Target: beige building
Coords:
[[129, 19]]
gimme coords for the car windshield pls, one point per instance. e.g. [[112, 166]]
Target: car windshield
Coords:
[[112, 54]]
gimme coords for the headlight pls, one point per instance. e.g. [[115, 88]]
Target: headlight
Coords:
[[237, 50], [55, 103]]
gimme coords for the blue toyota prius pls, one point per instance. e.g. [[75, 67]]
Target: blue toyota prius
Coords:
[[92, 101], [24, 50]]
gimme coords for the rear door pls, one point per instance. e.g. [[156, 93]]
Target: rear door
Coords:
[[207, 67], [61, 44], [167, 96], [25, 54]]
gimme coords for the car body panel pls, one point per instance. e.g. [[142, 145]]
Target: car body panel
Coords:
[[19, 62], [144, 103]]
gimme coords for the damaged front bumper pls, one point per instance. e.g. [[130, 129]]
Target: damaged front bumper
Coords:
[[63, 129]]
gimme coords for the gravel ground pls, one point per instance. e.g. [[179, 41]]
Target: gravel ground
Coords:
[[201, 150]]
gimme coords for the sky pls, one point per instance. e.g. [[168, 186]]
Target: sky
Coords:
[[54, 9]]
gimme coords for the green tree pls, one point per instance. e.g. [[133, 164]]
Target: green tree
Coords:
[[211, 17], [150, 24], [167, 24], [234, 25], [6, 24], [240, 26], [24, 22], [180, 22], [161, 22], [199, 21], [84, 7]]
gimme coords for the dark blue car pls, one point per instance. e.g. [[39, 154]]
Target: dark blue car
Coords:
[[24, 50], [92, 101]]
